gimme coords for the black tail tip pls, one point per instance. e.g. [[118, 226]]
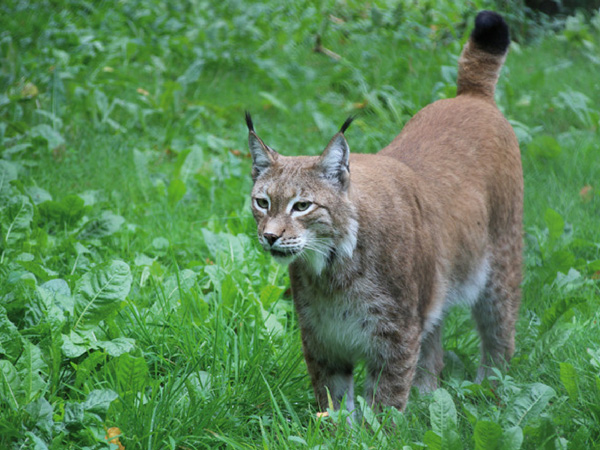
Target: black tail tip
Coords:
[[249, 121], [491, 33]]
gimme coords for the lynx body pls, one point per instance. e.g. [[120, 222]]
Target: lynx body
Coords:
[[380, 246]]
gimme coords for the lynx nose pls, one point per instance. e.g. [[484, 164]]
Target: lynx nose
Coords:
[[271, 238]]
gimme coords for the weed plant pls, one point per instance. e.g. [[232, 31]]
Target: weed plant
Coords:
[[134, 299]]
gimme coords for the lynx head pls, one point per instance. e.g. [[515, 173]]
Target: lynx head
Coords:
[[301, 203]]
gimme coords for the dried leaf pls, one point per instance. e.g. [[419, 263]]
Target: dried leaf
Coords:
[[112, 436]]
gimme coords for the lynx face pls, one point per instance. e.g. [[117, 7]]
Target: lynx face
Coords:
[[299, 212], [301, 204]]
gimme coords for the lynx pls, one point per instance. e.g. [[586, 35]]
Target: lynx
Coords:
[[380, 246]]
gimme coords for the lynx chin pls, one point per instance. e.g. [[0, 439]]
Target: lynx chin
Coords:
[[380, 246]]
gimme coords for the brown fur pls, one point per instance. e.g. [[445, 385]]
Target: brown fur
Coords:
[[432, 219]]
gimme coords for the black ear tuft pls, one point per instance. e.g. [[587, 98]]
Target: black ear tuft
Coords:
[[249, 121], [491, 33], [346, 124]]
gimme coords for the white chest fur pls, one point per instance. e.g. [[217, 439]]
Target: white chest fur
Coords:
[[342, 327]]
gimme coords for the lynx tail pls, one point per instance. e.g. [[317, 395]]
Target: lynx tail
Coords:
[[483, 56]]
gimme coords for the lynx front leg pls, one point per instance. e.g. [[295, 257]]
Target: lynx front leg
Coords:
[[333, 377], [390, 378]]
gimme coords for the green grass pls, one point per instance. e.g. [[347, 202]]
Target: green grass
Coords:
[[122, 139]]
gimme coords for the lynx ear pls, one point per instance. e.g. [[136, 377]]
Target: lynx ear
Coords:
[[334, 161], [262, 155]]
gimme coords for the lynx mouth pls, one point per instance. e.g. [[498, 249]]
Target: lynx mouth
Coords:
[[283, 254]]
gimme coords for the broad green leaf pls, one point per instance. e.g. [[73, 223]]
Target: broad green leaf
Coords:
[[34, 442], [193, 72], [29, 368], [48, 134], [160, 245], [580, 439], [131, 372], [433, 440], [108, 223], [227, 245], [298, 440], [57, 286], [512, 439], [11, 343], [73, 208], [470, 411], [8, 173], [557, 310], [450, 441], [578, 103], [269, 294], [271, 324], [15, 149], [102, 103], [544, 146], [41, 412], [56, 297], [87, 366], [541, 434], [99, 400], [528, 404], [9, 384], [555, 224], [442, 412], [74, 415], [143, 260], [117, 346], [141, 161], [277, 103], [41, 272], [75, 344], [595, 354], [178, 284], [15, 220], [100, 292], [229, 290], [175, 191], [568, 377], [69, 210], [91, 197], [199, 383], [38, 195], [81, 249], [558, 261], [192, 164], [487, 435]]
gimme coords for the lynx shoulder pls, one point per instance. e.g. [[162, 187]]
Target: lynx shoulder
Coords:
[[379, 246]]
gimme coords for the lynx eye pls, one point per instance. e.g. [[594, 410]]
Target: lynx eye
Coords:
[[301, 206], [262, 203]]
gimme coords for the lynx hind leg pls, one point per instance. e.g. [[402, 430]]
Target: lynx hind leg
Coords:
[[496, 310], [431, 361]]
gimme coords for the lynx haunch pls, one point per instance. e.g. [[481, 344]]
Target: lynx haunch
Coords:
[[380, 246]]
